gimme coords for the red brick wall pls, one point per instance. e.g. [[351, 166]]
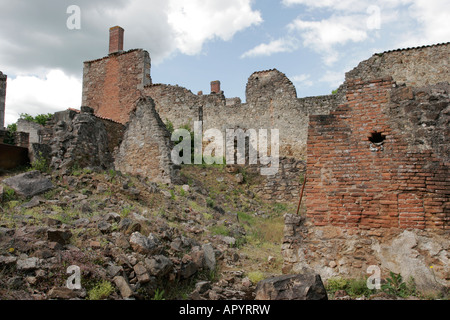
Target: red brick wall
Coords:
[[113, 84], [351, 186]]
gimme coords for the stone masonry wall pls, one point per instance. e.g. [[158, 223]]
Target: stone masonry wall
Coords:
[[146, 147], [3, 79], [78, 140], [272, 103], [175, 104], [113, 84], [337, 252], [414, 67]]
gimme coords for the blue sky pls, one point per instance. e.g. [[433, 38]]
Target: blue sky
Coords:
[[192, 42]]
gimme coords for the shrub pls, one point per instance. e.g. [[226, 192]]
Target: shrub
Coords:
[[9, 194], [9, 138], [40, 118], [101, 291], [40, 163], [397, 287]]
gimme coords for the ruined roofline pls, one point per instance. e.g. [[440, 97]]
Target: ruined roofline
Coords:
[[151, 85], [265, 71], [113, 54], [96, 115], [415, 48]]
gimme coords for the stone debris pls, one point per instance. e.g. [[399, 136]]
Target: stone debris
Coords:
[[292, 287], [29, 184]]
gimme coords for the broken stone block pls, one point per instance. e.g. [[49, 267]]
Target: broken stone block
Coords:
[[292, 287], [141, 272], [124, 288], [29, 184], [142, 244], [159, 265], [209, 258], [63, 293], [34, 202], [59, 236], [27, 264], [188, 269]]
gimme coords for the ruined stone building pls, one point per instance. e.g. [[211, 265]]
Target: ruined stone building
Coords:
[[2, 99], [376, 152], [378, 174]]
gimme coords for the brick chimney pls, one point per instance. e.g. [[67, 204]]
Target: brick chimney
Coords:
[[116, 39], [215, 86]]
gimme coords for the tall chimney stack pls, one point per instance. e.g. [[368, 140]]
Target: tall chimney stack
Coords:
[[215, 86], [116, 39]]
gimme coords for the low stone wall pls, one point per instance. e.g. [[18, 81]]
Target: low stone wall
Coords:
[[285, 185], [333, 251]]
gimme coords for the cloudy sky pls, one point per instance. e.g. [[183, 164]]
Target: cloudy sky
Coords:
[[191, 42]]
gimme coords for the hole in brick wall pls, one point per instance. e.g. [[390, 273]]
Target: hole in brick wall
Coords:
[[377, 137]]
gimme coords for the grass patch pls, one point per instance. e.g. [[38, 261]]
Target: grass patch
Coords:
[[159, 295], [220, 230], [255, 276], [9, 194], [353, 287], [101, 291]]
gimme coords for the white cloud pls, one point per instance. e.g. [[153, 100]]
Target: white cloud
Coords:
[[322, 36], [288, 44], [302, 80], [333, 78], [347, 5], [33, 95], [433, 18], [196, 21], [163, 27]]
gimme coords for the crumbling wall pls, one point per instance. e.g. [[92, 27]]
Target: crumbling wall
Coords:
[[115, 132], [32, 128], [415, 67], [79, 140], [146, 147], [272, 103], [3, 79], [423, 115], [378, 189], [113, 84], [175, 104]]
